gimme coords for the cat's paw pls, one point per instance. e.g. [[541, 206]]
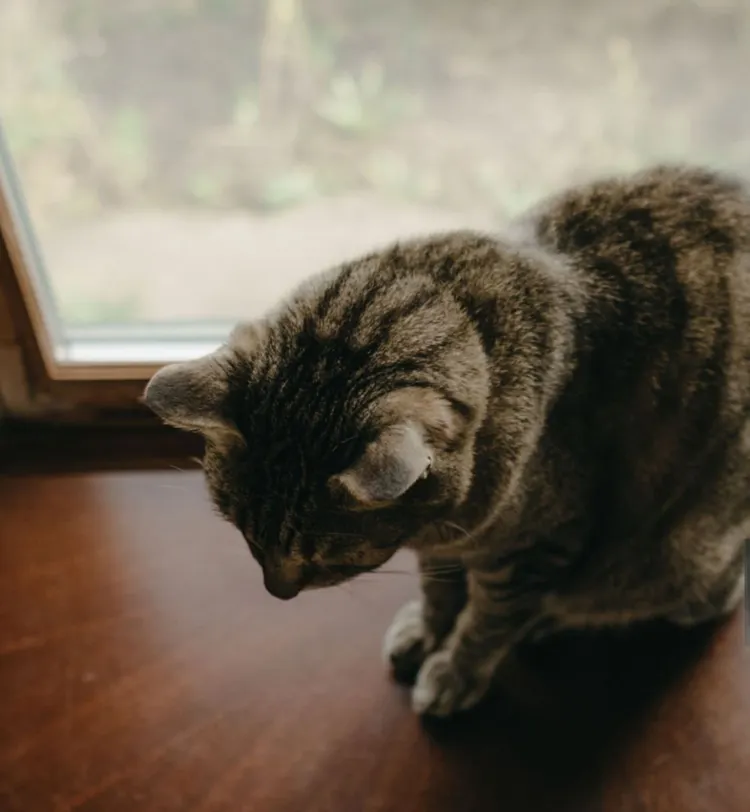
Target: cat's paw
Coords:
[[442, 689], [404, 643]]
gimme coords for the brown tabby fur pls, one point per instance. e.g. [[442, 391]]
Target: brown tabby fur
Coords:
[[556, 419]]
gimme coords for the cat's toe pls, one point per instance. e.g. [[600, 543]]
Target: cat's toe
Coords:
[[403, 646], [442, 690]]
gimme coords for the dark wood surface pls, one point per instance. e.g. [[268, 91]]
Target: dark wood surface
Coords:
[[28, 446], [142, 667]]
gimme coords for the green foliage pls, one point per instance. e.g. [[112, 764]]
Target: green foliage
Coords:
[[82, 311], [127, 149], [270, 104], [206, 187], [290, 187], [362, 103]]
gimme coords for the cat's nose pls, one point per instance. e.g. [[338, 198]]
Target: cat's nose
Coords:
[[283, 581]]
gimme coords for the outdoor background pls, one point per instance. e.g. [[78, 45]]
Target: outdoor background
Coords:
[[191, 159]]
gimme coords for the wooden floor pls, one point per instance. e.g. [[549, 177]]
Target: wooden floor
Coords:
[[142, 667]]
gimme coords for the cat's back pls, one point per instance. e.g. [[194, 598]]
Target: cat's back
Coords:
[[665, 255], [661, 215]]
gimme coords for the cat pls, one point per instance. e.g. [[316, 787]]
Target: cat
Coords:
[[555, 419]]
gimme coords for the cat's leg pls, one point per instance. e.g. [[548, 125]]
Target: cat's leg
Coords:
[[498, 615], [721, 601], [421, 625]]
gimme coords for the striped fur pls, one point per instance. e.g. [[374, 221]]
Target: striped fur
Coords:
[[575, 395]]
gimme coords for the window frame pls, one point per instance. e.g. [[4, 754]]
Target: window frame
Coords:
[[53, 387], [72, 417]]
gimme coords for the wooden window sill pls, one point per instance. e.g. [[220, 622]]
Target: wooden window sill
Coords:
[[137, 442]]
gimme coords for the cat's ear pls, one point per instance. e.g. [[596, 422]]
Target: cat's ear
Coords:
[[191, 395], [419, 429], [387, 469]]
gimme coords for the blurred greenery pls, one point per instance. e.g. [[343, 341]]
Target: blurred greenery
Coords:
[[263, 105], [76, 311], [270, 103], [295, 185]]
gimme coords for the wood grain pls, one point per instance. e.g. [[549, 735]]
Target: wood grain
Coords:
[[142, 667]]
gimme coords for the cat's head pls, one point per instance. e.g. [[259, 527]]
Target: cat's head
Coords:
[[338, 429]]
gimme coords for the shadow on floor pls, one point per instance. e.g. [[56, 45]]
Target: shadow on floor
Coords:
[[568, 706]]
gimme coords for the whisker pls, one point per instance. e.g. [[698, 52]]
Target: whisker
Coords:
[[435, 564], [443, 570], [347, 587], [453, 526], [436, 579], [392, 572], [334, 534], [256, 545]]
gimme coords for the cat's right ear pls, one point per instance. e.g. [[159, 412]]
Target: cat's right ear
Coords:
[[389, 466], [191, 395]]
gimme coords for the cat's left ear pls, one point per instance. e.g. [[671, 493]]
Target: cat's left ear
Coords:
[[191, 395], [389, 466]]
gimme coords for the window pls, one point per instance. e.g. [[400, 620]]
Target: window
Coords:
[[171, 166]]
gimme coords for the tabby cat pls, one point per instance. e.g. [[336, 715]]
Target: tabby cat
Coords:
[[555, 419]]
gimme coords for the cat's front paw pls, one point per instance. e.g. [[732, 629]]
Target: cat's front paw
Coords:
[[442, 689], [404, 643]]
